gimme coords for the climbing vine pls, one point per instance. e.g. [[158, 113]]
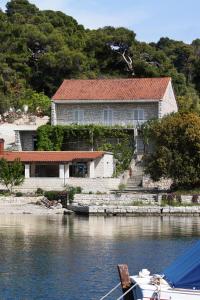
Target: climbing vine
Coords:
[[117, 139]]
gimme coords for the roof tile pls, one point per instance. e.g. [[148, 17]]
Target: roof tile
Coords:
[[50, 156], [113, 89]]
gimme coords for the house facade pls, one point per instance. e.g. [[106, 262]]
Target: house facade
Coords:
[[56, 169], [110, 102], [125, 102]]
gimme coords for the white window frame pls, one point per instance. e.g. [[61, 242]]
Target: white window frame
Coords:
[[108, 117], [78, 116]]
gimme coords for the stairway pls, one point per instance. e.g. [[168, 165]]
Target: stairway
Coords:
[[134, 183]]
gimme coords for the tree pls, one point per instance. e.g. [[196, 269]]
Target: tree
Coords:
[[11, 174], [37, 103], [189, 102], [176, 153]]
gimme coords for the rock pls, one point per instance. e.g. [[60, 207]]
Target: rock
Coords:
[[58, 206], [68, 212]]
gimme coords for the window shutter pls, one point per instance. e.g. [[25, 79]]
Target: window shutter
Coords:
[[135, 114], [138, 114], [108, 116], [75, 117], [141, 114], [81, 116], [105, 116]]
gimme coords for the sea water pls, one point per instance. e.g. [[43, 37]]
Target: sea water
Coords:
[[75, 258]]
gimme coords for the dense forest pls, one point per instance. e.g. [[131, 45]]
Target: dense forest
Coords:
[[38, 49]]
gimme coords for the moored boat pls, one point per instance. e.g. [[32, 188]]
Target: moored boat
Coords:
[[180, 281]]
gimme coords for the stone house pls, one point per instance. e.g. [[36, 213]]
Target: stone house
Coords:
[[125, 102]]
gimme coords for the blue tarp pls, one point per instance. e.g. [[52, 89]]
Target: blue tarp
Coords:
[[185, 271]]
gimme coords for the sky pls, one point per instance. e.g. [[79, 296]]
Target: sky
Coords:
[[149, 19]]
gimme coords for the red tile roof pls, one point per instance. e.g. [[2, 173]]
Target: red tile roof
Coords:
[[50, 156], [113, 89]]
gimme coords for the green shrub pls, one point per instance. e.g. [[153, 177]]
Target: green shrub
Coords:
[[19, 194], [195, 198], [52, 195], [71, 191], [171, 199], [39, 192], [121, 187], [4, 193], [116, 139]]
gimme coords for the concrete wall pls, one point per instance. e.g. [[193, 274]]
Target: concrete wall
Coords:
[[108, 165], [104, 167], [93, 112], [103, 185]]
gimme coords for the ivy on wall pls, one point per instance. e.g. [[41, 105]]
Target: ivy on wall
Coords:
[[117, 139]]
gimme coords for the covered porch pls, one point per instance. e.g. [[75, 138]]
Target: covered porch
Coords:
[[81, 169]]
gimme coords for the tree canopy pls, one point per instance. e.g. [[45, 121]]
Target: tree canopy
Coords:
[[38, 49], [11, 174], [176, 153]]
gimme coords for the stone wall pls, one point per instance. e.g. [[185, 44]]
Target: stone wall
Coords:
[[129, 199], [8, 200], [93, 112], [137, 210], [163, 184], [168, 104], [116, 199]]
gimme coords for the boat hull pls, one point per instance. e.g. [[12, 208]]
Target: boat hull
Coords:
[[147, 291]]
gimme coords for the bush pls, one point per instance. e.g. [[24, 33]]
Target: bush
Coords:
[[176, 142], [39, 192], [4, 193], [52, 195], [195, 199], [19, 194], [71, 191], [121, 187]]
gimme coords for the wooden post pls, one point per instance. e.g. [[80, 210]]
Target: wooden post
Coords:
[[125, 281]]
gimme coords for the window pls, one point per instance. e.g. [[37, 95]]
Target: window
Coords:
[[108, 116], [138, 114], [78, 116]]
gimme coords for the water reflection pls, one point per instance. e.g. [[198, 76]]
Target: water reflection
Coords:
[[56, 257]]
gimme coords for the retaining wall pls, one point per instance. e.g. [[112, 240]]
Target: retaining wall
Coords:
[[103, 185], [136, 210]]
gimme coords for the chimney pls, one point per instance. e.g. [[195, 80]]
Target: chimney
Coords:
[[1, 146]]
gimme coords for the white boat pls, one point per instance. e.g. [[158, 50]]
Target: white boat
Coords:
[[180, 281], [154, 287]]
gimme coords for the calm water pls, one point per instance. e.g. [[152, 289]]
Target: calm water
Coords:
[[75, 257]]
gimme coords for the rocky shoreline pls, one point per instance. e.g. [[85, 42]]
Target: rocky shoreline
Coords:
[[28, 205], [136, 204], [98, 205]]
